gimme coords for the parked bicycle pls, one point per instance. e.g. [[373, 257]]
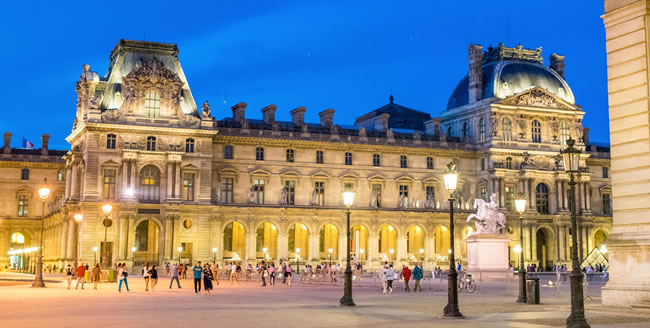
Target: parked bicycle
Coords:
[[466, 282]]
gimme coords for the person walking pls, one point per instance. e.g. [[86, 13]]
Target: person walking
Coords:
[[175, 271], [264, 273], [123, 273], [81, 276], [233, 273], [95, 275], [272, 274], [153, 276], [68, 274], [391, 276], [384, 278], [284, 272], [288, 275], [417, 276], [145, 275], [406, 274], [184, 271], [197, 277], [207, 279], [215, 270]]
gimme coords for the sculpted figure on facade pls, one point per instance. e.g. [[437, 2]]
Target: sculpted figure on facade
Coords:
[[488, 218], [205, 110], [284, 196]]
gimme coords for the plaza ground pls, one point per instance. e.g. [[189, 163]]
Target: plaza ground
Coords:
[[301, 305]]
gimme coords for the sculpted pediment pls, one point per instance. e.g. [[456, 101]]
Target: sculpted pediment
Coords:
[[537, 97]]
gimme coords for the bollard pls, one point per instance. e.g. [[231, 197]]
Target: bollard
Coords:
[[532, 289]]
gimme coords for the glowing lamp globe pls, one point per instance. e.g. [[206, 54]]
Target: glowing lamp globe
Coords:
[[571, 156], [451, 177], [44, 193], [133, 249], [348, 198], [78, 217], [520, 204], [107, 208]]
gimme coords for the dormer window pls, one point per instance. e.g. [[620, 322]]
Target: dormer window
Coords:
[[151, 143], [152, 104]]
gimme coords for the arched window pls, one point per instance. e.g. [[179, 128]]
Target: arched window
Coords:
[[507, 129], [152, 104], [564, 132], [450, 131], [542, 198], [17, 238], [482, 130], [509, 163], [465, 129], [536, 131], [151, 143], [150, 183]]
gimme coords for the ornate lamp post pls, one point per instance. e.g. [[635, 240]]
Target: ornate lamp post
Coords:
[[107, 208], [214, 254], [520, 204], [330, 255], [179, 249], [133, 249], [346, 300], [95, 250], [44, 193], [572, 166], [451, 310], [77, 219]]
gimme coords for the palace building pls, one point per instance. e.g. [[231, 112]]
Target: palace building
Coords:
[[186, 186]]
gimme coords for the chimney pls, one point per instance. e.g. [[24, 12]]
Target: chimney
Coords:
[[475, 74], [298, 116], [45, 140], [381, 124], [268, 114], [239, 112], [585, 135], [326, 117], [557, 64], [7, 147]]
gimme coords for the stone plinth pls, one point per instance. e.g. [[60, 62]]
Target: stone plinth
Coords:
[[487, 253]]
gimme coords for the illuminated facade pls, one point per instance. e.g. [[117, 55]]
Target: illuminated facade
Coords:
[[254, 189]]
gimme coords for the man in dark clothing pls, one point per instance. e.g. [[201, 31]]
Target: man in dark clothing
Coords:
[[197, 277]]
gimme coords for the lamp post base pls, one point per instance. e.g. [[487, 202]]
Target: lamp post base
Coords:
[[451, 310], [577, 317], [522, 298], [346, 300]]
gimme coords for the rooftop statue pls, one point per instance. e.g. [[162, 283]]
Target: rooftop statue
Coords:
[[488, 218]]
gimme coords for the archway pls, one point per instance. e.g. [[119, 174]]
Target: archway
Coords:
[[328, 240], [298, 241], [17, 261], [600, 239], [415, 243], [147, 236], [387, 237], [266, 244], [441, 235], [234, 241], [543, 249], [359, 246]]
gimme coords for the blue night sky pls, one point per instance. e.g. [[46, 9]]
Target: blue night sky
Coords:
[[346, 55]]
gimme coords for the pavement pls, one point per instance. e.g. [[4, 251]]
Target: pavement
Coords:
[[310, 304]]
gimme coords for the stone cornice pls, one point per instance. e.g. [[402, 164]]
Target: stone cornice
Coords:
[[144, 129], [31, 164]]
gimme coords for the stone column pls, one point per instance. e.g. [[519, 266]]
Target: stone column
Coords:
[[342, 255], [533, 241], [177, 182], [565, 202], [562, 242], [74, 183], [401, 251], [283, 245], [64, 239], [558, 195], [373, 251], [502, 202], [121, 251], [134, 167], [70, 248], [68, 179], [533, 195], [313, 247], [170, 179], [125, 179]]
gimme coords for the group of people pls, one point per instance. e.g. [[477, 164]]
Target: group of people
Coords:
[[80, 272], [388, 275]]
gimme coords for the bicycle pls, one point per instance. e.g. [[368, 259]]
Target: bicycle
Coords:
[[465, 282]]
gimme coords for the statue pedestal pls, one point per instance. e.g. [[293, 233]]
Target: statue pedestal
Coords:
[[487, 253]]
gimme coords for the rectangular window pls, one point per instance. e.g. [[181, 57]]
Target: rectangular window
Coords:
[[110, 141], [227, 185], [482, 164], [290, 155], [188, 186], [319, 189], [348, 158], [430, 193], [404, 191], [151, 143], [403, 162], [484, 193], [259, 154], [376, 194], [258, 191], [152, 104], [429, 163], [510, 198], [319, 157], [290, 187], [605, 172], [227, 152], [24, 174], [376, 160], [23, 205], [607, 204], [189, 145], [109, 184]]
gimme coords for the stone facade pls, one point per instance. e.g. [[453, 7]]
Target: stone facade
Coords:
[[247, 189]]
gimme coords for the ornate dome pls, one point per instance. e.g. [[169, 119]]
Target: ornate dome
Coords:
[[509, 77]]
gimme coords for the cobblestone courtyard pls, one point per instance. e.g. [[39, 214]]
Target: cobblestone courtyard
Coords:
[[301, 305]]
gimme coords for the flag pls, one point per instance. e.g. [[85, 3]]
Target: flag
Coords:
[[27, 144]]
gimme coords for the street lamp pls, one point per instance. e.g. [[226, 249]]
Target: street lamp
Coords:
[[77, 219], [577, 318], [179, 249], [330, 255], [214, 254], [298, 260], [451, 309], [421, 256], [133, 249], [44, 193], [95, 250], [107, 208], [520, 204], [346, 300]]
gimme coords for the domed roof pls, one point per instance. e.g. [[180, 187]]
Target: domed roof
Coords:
[[505, 78]]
